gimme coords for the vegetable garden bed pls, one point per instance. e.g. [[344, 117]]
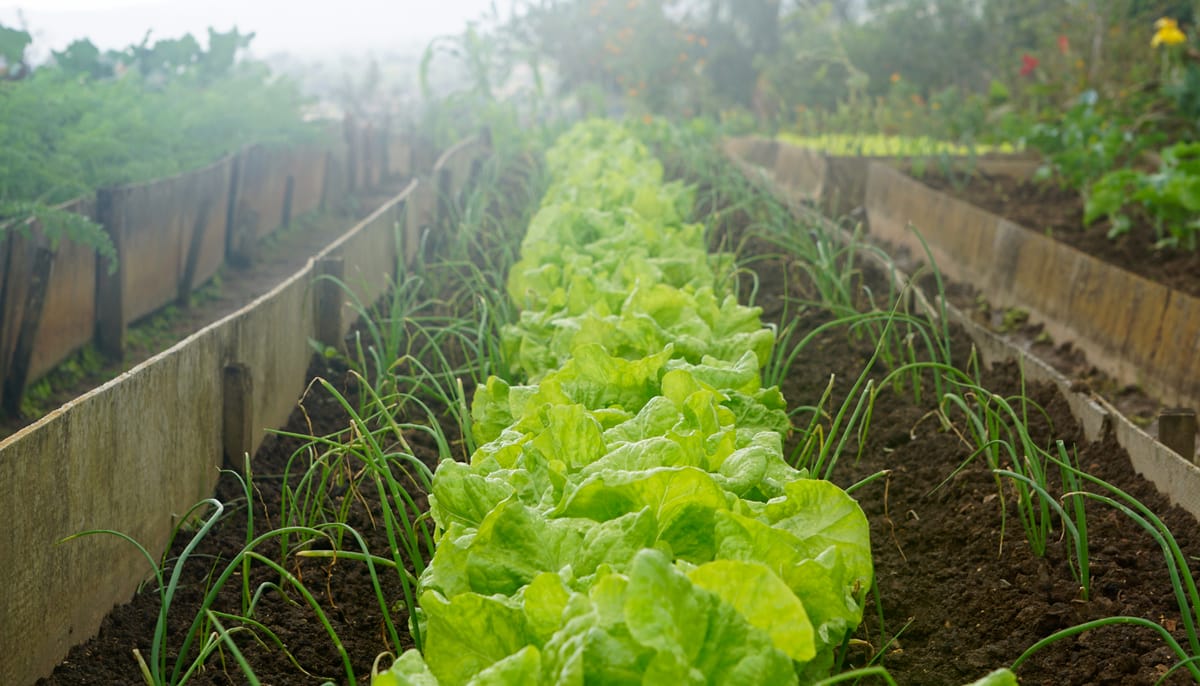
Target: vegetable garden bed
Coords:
[[1057, 212], [1121, 333], [959, 593], [1137, 330]]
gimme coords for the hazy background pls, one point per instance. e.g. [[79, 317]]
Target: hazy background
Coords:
[[311, 28]]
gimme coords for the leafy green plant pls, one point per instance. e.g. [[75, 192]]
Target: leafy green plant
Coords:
[[13, 44], [631, 481], [882, 145], [1085, 143], [67, 135], [58, 225], [1170, 196]]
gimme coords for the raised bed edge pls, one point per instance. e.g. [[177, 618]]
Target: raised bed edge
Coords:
[[167, 431], [1173, 475]]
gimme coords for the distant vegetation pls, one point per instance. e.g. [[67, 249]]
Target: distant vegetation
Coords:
[[89, 119]]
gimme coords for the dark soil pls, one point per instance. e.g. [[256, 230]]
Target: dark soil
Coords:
[[959, 592], [1058, 212], [959, 585]]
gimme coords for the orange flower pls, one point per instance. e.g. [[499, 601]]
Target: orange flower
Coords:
[[895, 77]]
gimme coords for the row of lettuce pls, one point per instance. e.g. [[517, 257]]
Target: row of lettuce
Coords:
[[629, 516]]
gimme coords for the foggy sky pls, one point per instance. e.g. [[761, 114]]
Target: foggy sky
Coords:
[[312, 27]]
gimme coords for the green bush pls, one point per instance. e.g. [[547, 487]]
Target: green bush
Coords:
[[1171, 196], [65, 132]]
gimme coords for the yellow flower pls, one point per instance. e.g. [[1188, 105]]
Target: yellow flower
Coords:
[[895, 77], [1167, 33]]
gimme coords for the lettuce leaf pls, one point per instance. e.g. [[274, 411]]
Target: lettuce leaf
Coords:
[[629, 516]]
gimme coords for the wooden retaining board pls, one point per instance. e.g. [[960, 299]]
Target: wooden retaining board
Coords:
[[123, 458], [262, 183], [1139, 331], [159, 224], [837, 184], [69, 312], [307, 167], [172, 236]]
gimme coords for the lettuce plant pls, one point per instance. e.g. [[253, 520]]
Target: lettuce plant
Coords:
[[628, 516]]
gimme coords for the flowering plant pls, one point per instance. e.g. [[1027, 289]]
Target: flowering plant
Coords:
[[1029, 64], [1168, 33]]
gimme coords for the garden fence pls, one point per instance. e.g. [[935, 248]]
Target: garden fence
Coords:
[[171, 237]]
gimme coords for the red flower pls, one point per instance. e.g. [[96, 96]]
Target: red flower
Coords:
[[1028, 64], [1063, 46]]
